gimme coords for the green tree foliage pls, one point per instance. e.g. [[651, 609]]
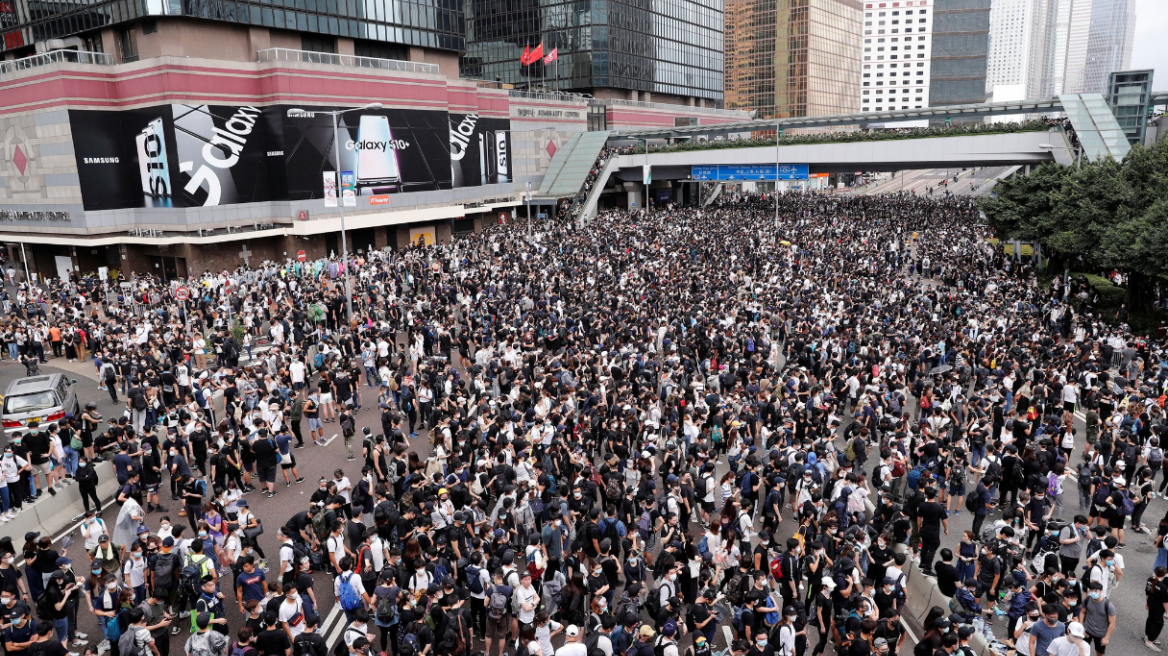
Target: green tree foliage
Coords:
[[1103, 215]]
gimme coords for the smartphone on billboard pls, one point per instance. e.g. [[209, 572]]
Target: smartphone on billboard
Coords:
[[376, 165], [486, 158], [502, 157], [152, 163]]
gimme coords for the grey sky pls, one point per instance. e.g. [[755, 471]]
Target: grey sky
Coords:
[[1149, 50]]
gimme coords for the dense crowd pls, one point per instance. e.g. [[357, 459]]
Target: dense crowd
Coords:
[[628, 437]]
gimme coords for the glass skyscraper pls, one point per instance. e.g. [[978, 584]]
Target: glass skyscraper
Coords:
[[434, 24], [625, 48], [787, 58], [961, 30]]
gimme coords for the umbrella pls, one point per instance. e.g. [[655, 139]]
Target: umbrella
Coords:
[[941, 369], [785, 243]]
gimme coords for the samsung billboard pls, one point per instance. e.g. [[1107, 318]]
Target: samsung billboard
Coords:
[[210, 155]]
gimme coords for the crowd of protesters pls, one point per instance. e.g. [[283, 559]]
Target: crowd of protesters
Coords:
[[627, 437]]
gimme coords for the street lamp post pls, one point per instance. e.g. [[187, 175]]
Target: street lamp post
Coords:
[[778, 140], [341, 205]]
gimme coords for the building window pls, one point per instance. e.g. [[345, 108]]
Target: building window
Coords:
[[149, 26], [318, 43], [380, 50], [127, 44]]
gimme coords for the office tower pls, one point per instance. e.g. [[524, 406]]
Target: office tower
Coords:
[[1017, 40], [652, 50], [789, 58], [1084, 41], [960, 50], [897, 48]]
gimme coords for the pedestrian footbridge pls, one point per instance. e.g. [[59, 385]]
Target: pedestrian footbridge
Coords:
[[673, 170]]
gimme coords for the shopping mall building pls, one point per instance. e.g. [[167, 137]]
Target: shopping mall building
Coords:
[[176, 136]]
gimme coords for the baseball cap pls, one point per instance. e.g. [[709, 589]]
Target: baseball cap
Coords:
[[647, 631], [880, 642], [670, 628], [1076, 629], [572, 630]]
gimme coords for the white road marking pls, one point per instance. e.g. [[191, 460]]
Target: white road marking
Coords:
[[329, 440]]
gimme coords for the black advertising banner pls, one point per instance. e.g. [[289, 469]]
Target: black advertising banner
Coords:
[[388, 151], [170, 156], [480, 150], [206, 155]]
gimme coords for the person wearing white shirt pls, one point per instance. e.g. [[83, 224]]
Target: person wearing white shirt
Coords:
[[291, 613], [574, 643]]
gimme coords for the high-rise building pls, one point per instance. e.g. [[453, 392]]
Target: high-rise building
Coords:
[[789, 58], [1129, 95], [1109, 42], [960, 51], [1017, 38], [897, 48], [653, 50], [1044, 48]]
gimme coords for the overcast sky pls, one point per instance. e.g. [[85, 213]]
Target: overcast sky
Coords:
[[1151, 29]]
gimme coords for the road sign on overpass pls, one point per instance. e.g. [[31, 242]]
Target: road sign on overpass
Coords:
[[740, 172]]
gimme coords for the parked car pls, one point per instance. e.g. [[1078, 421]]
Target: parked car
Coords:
[[45, 398]]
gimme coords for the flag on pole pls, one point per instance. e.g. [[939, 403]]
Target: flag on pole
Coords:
[[526, 55], [535, 55], [552, 56]]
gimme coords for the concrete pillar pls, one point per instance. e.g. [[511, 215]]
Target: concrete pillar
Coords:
[[443, 232], [403, 238], [634, 200], [345, 46]]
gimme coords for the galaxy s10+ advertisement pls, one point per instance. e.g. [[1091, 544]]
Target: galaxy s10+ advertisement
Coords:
[[211, 155]]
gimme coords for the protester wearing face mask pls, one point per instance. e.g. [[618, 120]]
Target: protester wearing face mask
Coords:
[[13, 469], [1098, 617]]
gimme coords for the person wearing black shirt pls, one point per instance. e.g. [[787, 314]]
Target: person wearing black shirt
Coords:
[[264, 449], [1157, 602], [823, 616], [38, 455], [931, 517], [274, 640], [947, 574]]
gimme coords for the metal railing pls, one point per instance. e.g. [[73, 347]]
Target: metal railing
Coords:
[[57, 57], [545, 95], [669, 106], [349, 61]]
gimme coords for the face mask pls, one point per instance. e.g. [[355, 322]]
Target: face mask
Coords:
[[165, 525], [5, 600], [112, 587], [577, 494], [597, 572], [137, 555], [1074, 603], [202, 534], [761, 643], [10, 559], [1110, 563], [672, 577], [1095, 595], [95, 571], [81, 463], [632, 561]]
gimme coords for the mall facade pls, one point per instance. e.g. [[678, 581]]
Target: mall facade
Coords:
[[178, 136]]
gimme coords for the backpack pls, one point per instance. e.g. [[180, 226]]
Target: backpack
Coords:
[[474, 581], [164, 570], [1102, 491], [317, 360], [957, 474], [128, 644], [236, 649], [645, 524], [497, 608], [704, 545], [386, 610], [350, 600], [972, 501], [406, 639], [1051, 484], [1155, 457], [44, 608], [734, 592], [190, 577], [319, 525], [612, 489], [914, 477], [303, 646], [1126, 507]]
